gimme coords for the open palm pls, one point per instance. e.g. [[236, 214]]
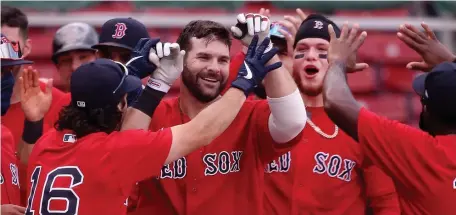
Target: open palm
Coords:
[[35, 103]]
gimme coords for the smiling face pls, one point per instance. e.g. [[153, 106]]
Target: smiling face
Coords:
[[310, 70], [206, 68]]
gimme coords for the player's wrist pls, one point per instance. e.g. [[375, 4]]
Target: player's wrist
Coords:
[[33, 130], [148, 100], [158, 84], [243, 84]]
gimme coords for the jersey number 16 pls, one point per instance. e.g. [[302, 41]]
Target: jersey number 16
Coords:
[[51, 193]]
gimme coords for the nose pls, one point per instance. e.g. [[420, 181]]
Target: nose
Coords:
[[311, 55], [214, 66]]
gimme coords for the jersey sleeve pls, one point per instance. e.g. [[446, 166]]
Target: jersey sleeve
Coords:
[[380, 191], [138, 154], [268, 148], [410, 156]]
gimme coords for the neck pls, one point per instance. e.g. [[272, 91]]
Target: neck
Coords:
[[312, 101], [189, 105]]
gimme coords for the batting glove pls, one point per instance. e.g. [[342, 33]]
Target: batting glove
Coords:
[[170, 63], [251, 24], [254, 69], [139, 64]]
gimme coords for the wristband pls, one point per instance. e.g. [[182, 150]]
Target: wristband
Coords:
[[148, 100], [32, 131], [157, 84]]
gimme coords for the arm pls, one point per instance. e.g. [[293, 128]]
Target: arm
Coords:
[[35, 103], [288, 113], [170, 66], [411, 157], [339, 103]]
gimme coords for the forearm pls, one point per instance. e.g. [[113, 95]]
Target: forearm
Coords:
[[278, 83], [139, 115], [339, 103], [31, 133], [288, 117]]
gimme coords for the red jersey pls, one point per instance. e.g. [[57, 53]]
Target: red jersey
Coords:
[[225, 177], [326, 176], [14, 119], [93, 174], [422, 167], [9, 178]]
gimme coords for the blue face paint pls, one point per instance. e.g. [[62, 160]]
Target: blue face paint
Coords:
[[322, 56]]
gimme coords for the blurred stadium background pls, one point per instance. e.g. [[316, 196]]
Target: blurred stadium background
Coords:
[[384, 88]]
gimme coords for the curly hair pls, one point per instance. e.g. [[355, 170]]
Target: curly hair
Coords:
[[83, 122]]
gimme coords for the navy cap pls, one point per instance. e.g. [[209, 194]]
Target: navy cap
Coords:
[[315, 26], [11, 53], [100, 83], [438, 90], [73, 36], [122, 32]]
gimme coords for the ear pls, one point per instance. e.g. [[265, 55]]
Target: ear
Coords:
[[27, 48], [122, 104]]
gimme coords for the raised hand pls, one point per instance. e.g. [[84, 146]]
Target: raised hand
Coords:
[[251, 24], [35, 103], [254, 68], [139, 64], [170, 63], [292, 24], [343, 49], [426, 44]]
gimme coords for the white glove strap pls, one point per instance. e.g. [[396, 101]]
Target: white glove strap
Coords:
[[158, 85]]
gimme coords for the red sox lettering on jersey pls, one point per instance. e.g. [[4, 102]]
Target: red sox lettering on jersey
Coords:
[[332, 165], [324, 164], [282, 164], [14, 175], [222, 162], [120, 31]]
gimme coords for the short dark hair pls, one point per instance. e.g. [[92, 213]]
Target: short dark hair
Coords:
[[207, 29], [83, 122], [13, 17]]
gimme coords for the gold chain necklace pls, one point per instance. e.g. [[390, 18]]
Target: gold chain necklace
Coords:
[[319, 131]]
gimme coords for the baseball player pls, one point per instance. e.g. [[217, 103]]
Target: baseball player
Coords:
[[421, 162], [326, 173], [11, 59], [225, 177], [119, 37], [71, 47], [15, 27], [112, 161]]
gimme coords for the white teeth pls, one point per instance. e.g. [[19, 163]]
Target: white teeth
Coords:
[[209, 79]]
